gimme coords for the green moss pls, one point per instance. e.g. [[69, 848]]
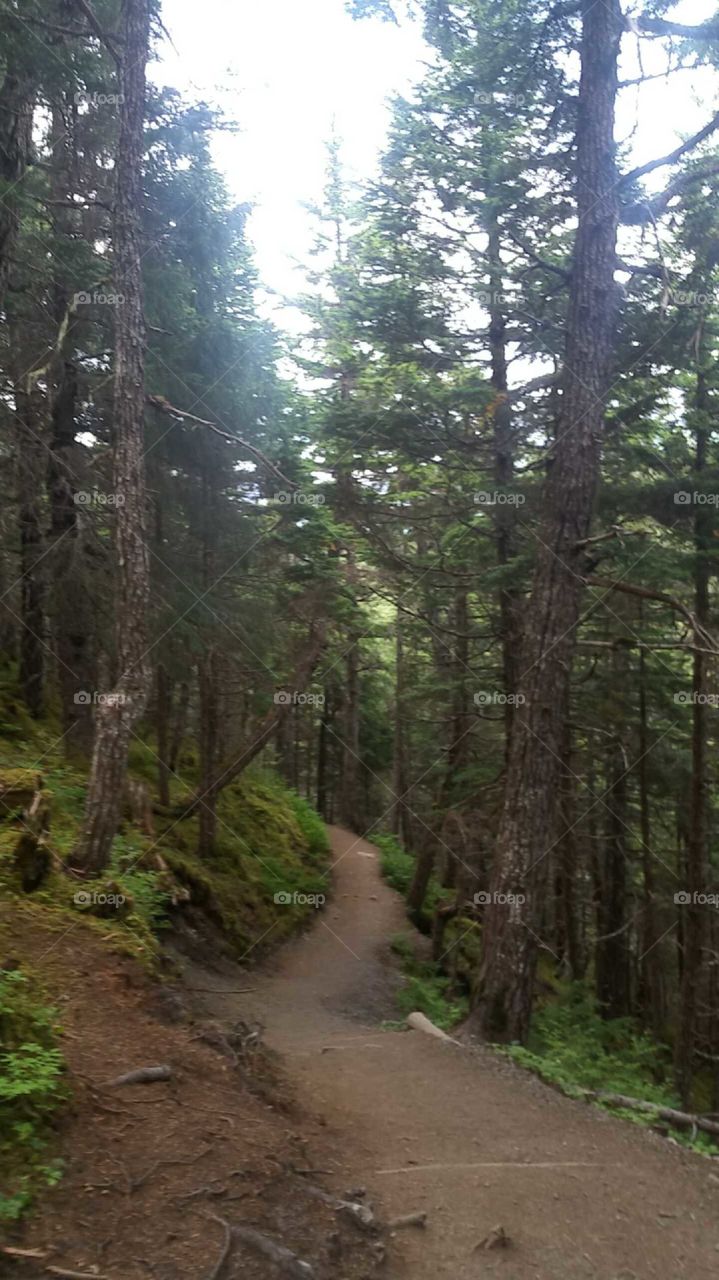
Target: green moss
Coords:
[[270, 842]]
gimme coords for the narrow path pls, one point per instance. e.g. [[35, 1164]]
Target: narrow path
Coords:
[[464, 1135]]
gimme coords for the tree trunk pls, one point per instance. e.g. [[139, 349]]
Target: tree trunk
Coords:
[[208, 752], [323, 755], [505, 987], [71, 605], [349, 806], [16, 111], [567, 866], [179, 725], [693, 933], [117, 714], [398, 816], [163, 711], [29, 469], [612, 954], [505, 514], [649, 972]]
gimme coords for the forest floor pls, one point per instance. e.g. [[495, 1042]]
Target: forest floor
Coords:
[[460, 1134], [463, 1134]]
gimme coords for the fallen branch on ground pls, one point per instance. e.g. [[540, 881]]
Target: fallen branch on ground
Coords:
[[22, 1253], [681, 1119], [39, 1255], [75, 1275], [144, 1075], [408, 1220], [361, 1215]]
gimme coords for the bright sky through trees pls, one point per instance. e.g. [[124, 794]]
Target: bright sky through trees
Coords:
[[285, 71]]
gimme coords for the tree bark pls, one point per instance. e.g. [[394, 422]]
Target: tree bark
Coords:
[[208, 752], [612, 953], [71, 606], [349, 806], [16, 111], [30, 468], [649, 973], [323, 753], [179, 725], [567, 866], [693, 934], [505, 987], [505, 514], [117, 714]]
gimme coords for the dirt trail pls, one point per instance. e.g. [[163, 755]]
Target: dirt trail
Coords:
[[461, 1134]]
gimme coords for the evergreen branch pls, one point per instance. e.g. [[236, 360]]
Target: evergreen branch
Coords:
[[672, 156], [661, 597], [645, 26], [181, 415], [98, 30]]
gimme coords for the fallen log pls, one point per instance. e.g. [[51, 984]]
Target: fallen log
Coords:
[[680, 1119], [144, 1075], [418, 1022]]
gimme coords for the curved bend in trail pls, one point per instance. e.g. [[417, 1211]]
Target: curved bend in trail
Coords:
[[464, 1135]]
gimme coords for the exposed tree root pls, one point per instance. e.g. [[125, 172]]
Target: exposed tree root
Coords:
[[287, 1261], [144, 1075]]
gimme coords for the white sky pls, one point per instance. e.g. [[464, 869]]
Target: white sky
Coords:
[[284, 69]]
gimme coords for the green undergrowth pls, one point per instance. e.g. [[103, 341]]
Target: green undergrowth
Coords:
[[437, 990], [425, 989], [573, 1048], [32, 1087], [397, 867]]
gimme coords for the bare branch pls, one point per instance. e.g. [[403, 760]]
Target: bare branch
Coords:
[[164, 406], [672, 156]]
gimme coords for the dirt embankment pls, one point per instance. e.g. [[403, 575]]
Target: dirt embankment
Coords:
[[149, 1169], [425, 1126]]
